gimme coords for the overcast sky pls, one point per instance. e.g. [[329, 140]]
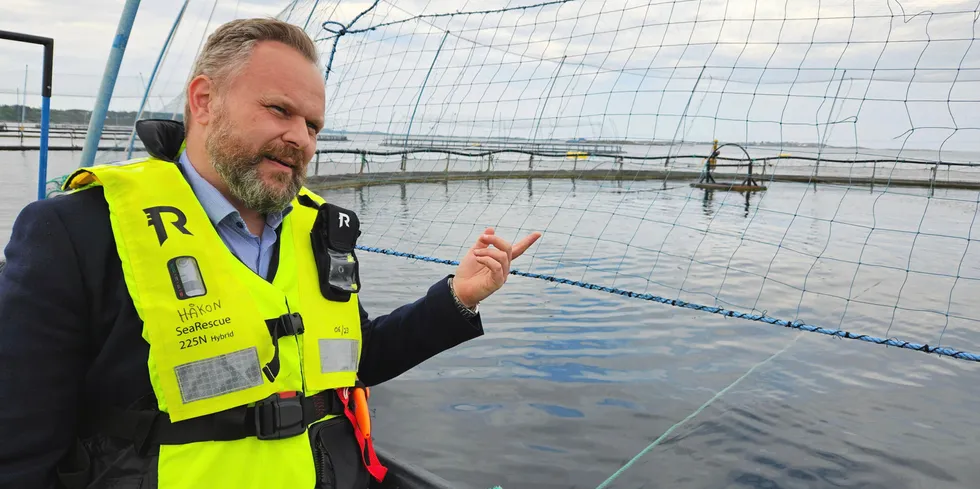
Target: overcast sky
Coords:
[[879, 73], [83, 31]]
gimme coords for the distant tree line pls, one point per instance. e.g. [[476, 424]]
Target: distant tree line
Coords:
[[12, 113]]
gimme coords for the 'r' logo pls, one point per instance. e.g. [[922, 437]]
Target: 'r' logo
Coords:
[[155, 219], [344, 219]]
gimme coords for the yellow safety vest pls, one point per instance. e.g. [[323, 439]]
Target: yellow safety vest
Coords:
[[205, 318]]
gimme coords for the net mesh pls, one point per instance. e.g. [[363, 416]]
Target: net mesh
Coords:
[[811, 161], [590, 121]]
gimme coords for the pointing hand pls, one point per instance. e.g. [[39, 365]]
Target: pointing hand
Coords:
[[486, 266]]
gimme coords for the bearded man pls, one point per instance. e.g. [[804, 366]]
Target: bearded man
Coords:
[[191, 319]]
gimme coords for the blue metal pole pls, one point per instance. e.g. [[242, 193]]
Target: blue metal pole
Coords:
[[42, 168], [94, 134], [156, 67]]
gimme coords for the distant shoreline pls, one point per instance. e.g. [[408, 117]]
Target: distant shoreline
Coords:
[[7, 125], [118, 121]]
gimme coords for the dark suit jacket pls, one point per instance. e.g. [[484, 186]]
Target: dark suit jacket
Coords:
[[70, 338]]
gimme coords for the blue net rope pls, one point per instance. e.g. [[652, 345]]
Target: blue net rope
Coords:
[[800, 325]]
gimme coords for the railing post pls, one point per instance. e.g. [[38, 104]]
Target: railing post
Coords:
[[46, 76]]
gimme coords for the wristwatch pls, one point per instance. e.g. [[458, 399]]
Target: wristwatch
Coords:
[[463, 310]]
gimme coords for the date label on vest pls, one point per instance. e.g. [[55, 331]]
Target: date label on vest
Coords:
[[186, 277]]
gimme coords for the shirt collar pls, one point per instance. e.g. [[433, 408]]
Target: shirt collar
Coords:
[[215, 204]]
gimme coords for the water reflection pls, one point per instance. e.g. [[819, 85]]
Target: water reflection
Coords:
[[404, 199], [558, 411], [708, 197], [566, 372]]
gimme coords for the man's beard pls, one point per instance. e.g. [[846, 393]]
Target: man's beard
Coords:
[[238, 167]]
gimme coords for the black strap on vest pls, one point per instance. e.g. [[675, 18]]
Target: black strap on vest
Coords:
[[285, 325], [281, 415]]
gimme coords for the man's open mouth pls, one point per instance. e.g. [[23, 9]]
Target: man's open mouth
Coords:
[[285, 163]]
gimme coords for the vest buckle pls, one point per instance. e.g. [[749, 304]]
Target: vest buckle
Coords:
[[292, 324], [279, 416]]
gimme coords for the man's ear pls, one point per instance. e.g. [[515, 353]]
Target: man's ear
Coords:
[[200, 93]]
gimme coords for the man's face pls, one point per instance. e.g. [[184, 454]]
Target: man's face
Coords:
[[262, 132]]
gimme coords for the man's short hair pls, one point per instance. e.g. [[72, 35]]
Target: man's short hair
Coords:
[[230, 45]]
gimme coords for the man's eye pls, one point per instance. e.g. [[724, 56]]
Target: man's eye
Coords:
[[278, 108]]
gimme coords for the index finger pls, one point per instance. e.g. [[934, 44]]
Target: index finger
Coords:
[[521, 246], [497, 241]]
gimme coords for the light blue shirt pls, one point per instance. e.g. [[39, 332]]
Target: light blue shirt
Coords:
[[254, 251]]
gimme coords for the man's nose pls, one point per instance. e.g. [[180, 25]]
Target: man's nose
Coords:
[[297, 134]]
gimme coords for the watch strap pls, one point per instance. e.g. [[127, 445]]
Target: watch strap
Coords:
[[463, 310]]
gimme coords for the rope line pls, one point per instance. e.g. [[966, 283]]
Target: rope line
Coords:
[[435, 16], [797, 324], [340, 33], [691, 416]]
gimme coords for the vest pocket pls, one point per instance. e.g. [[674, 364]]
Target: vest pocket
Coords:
[[336, 456], [324, 466]]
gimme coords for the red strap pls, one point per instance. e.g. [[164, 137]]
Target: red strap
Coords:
[[370, 459]]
